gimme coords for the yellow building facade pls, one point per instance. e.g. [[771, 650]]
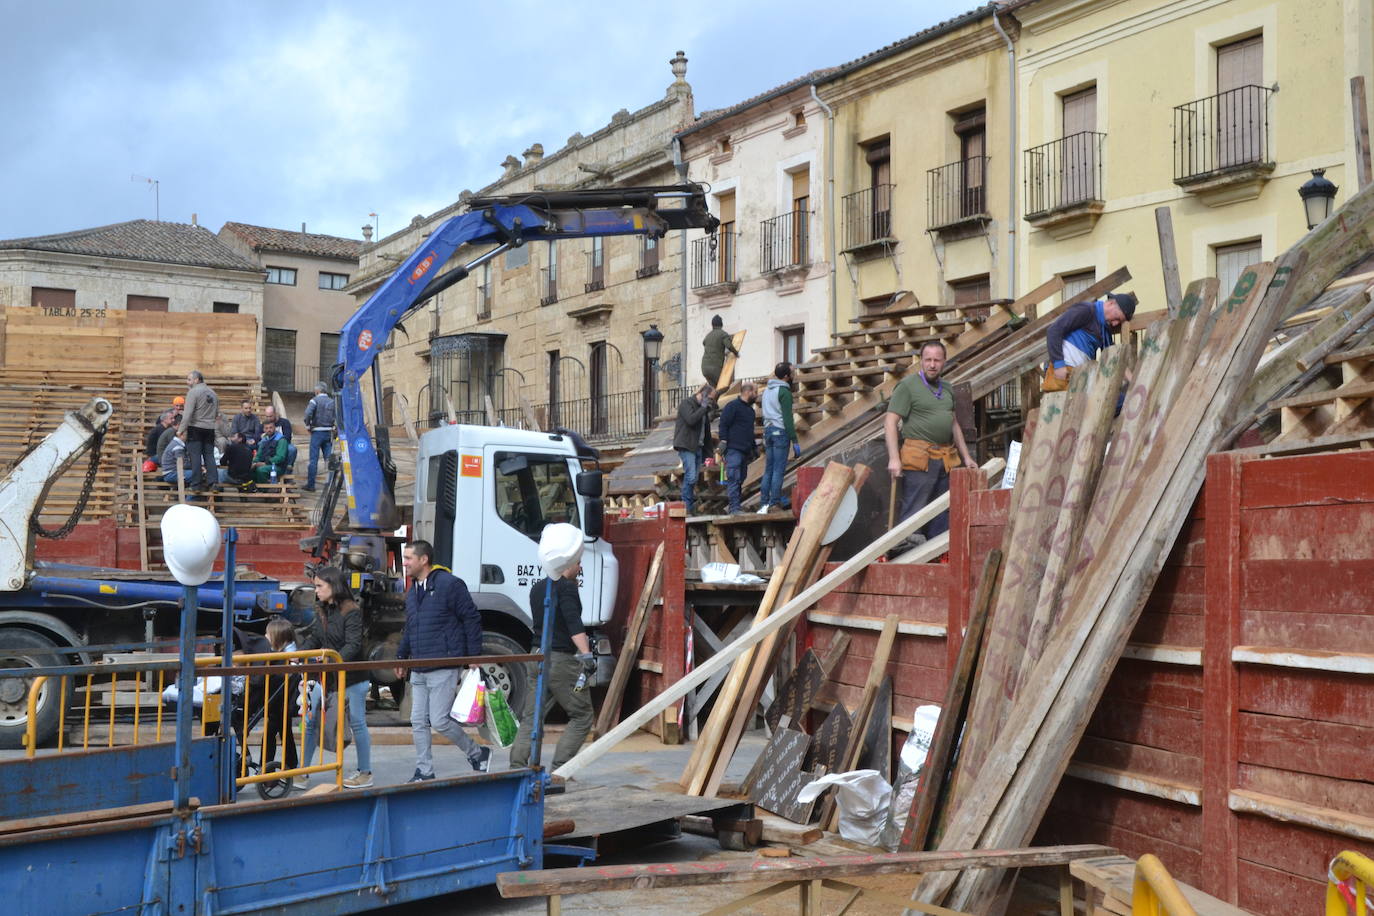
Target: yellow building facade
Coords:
[[1218, 110]]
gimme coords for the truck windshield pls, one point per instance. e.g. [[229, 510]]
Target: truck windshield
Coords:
[[533, 491]]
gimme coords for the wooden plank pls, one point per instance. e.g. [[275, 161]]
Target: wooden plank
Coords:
[[727, 371], [142, 515], [952, 711], [1330, 820], [629, 652], [684, 685], [595, 878], [876, 671], [1168, 259], [1359, 110]]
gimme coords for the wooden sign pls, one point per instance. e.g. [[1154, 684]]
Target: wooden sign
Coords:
[[777, 777], [798, 693], [831, 739], [877, 747]]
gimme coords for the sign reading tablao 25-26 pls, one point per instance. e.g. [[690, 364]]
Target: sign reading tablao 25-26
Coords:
[[68, 311]]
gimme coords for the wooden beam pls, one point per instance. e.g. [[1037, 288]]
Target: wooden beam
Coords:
[[677, 690], [877, 670], [1168, 258], [629, 652], [1359, 111]]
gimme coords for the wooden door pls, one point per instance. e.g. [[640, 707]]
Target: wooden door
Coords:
[[1078, 175], [1240, 102]]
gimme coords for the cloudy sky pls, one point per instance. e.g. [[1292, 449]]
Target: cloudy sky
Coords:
[[281, 113]]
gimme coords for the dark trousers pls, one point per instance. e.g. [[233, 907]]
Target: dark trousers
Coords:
[[560, 681], [200, 456], [736, 462], [918, 489]]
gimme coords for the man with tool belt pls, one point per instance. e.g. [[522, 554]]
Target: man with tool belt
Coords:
[[921, 413]]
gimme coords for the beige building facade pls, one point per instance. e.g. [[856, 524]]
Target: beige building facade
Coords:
[[303, 300], [558, 324], [767, 269]]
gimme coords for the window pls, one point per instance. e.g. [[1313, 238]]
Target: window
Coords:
[[329, 355], [225, 308], [333, 281], [1075, 283], [793, 344], [1079, 157], [648, 261], [598, 371], [555, 387], [533, 491], [723, 146], [971, 129], [1231, 261], [597, 260], [285, 276], [878, 156], [724, 266], [145, 303], [801, 211], [466, 369], [517, 257], [551, 277], [43, 297], [486, 292], [279, 360], [972, 291], [1240, 102], [798, 118]]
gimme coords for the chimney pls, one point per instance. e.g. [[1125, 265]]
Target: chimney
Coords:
[[511, 165], [534, 154], [193, 220], [367, 234], [302, 228]]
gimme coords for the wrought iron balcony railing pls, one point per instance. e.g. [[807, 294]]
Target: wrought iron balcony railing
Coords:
[[956, 192], [713, 260], [549, 285], [1064, 173], [1222, 132], [784, 241], [867, 216]]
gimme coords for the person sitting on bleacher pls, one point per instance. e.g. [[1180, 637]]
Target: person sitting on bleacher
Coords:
[[238, 463], [150, 441], [164, 437], [247, 424], [176, 448], [270, 464]]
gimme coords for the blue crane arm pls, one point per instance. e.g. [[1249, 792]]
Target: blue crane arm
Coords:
[[365, 460]]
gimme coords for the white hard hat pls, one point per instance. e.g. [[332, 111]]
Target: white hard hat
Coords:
[[190, 543], [560, 547]]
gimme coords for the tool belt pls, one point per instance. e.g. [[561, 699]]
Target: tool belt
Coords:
[[916, 455], [1053, 382]]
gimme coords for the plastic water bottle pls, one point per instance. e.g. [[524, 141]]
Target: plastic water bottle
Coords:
[[273, 474], [581, 682]]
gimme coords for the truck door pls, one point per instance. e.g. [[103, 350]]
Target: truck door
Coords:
[[528, 491]]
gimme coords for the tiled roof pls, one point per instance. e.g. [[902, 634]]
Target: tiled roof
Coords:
[[713, 115], [288, 241], [927, 34], [142, 240]]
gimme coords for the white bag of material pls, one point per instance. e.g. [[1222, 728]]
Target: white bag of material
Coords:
[[1013, 462], [909, 766], [862, 797], [719, 572]]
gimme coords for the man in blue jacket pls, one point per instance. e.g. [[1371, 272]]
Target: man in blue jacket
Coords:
[[441, 622], [737, 439], [1084, 329]]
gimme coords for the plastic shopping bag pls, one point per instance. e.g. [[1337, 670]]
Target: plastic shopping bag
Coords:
[[469, 706], [501, 722], [862, 797]]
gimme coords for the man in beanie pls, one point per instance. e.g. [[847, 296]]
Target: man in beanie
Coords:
[[1085, 328], [714, 348], [570, 653]]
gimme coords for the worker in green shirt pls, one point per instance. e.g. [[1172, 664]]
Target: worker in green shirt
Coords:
[[779, 431], [715, 345], [921, 412]]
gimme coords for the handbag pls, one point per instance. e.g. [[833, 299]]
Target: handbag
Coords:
[[501, 722], [469, 706]]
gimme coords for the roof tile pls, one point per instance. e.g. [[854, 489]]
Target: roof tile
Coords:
[[142, 240]]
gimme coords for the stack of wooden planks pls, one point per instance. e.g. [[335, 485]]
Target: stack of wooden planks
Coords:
[[1098, 504]]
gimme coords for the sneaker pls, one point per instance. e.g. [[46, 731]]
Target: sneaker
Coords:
[[482, 762], [360, 779], [420, 777], [301, 782], [307, 489], [765, 509]]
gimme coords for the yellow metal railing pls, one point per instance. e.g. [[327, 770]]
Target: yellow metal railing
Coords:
[[1348, 883], [1155, 893], [276, 676]]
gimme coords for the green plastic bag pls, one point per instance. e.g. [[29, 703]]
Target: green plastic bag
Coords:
[[501, 722]]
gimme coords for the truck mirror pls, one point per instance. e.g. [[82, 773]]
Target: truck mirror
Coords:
[[589, 483], [594, 517]]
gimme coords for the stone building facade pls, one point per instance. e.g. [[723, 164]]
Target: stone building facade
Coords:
[[767, 269], [559, 325]]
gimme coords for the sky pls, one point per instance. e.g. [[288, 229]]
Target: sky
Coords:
[[280, 113]]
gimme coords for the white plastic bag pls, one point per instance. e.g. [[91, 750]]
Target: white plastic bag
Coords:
[[469, 707], [862, 798], [910, 764]]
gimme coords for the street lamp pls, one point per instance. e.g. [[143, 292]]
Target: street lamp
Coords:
[[653, 345], [1318, 194]]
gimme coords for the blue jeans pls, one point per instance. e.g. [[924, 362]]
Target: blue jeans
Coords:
[[691, 466], [775, 443], [355, 696], [321, 442], [736, 462]]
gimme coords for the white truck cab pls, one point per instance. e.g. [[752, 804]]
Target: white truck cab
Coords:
[[483, 495]]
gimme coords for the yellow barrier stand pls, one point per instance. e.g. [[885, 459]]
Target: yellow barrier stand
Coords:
[[1155, 893], [1344, 867]]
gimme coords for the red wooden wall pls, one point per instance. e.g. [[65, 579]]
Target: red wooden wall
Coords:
[[665, 638]]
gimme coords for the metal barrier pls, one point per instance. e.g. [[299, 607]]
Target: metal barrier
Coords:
[[255, 725], [1155, 893], [1347, 884]]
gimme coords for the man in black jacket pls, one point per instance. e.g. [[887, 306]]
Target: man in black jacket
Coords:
[[692, 439], [737, 438], [441, 622]]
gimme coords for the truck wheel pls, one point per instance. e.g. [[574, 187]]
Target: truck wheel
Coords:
[[14, 691], [512, 679]]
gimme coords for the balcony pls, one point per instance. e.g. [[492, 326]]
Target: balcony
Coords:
[[548, 282], [1221, 145], [1063, 184], [867, 216], [784, 242], [596, 273], [713, 264], [956, 198], [485, 294]]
